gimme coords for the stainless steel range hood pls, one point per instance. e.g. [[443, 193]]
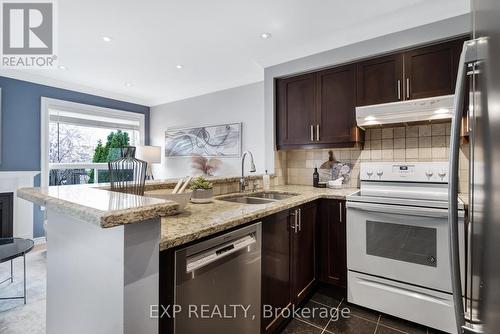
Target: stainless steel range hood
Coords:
[[427, 109]]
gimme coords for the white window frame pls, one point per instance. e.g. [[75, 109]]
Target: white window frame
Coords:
[[48, 104]]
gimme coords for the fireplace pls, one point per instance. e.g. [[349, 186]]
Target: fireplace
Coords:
[[6, 214]]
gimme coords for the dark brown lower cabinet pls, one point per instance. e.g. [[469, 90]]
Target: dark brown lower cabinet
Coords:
[[276, 268], [332, 254], [288, 261], [299, 247], [303, 252]]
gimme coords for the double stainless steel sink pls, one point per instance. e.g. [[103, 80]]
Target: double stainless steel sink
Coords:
[[263, 197]]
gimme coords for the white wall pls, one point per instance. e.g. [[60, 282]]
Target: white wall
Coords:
[[241, 104]]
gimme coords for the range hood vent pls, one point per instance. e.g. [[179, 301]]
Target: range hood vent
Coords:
[[428, 109]]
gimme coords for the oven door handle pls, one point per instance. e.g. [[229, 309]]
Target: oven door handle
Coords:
[[400, 210]]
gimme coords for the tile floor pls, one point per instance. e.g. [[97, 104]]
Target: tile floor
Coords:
[[15, 318], [359, 321]]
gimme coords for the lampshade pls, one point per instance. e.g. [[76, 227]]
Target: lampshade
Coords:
[[151, 154]]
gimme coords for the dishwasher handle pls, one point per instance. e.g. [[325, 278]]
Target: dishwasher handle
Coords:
[[217, 253]]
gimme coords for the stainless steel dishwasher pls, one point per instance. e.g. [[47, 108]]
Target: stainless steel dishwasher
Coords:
[[217, 284]]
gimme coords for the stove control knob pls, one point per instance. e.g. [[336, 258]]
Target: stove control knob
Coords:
[[442, 173], [429, 173], [369, 173], [380, 172]]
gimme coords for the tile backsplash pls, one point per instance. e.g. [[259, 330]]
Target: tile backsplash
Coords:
[[429, 142]]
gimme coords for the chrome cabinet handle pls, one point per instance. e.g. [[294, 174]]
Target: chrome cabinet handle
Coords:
[[299, 216], [312, 132], [294, 225], [317, 132], [399, 89], [407, 88], [340, 212]]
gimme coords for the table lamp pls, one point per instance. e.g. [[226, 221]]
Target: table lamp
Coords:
[[150, 154]]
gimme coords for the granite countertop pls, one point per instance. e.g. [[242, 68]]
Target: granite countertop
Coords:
[[95, 203], [201, 220], [99, 206]]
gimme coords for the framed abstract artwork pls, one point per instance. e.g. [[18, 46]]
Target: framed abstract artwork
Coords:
[[209, 141]]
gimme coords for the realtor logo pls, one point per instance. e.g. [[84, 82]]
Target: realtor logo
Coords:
[[28, 34]]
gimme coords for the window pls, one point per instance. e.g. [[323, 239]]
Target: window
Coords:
[[78, 140]]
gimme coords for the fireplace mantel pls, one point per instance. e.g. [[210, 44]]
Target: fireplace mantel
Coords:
[[10, 181]]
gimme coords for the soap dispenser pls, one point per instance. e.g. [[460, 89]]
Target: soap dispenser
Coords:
[[266, 182]]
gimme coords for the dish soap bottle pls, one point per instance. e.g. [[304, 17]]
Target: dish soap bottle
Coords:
[[266, 182], [315, 177]]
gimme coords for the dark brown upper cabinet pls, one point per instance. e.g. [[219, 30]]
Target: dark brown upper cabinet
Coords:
[[380, 80], [431, 71], [418, 73], [296, 110], [317, 110], [336, 119]]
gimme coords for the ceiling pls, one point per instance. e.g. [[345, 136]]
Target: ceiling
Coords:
[[217, 42]]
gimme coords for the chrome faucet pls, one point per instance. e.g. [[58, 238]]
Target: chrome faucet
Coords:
[[243, 181]]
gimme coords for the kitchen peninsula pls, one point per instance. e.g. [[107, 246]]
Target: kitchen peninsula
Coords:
[[102, 258], [104, 248]]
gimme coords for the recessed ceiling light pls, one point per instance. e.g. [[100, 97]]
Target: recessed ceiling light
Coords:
[[266, 35], [107, 39], [62, 67], [128, 84], [179, 66], [370, 118]]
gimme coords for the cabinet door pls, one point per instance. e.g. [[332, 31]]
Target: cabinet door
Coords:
[[303, 253], [431, 71], [276, 266], [380, 80], [332, 267], [296, 109], [336, 105]]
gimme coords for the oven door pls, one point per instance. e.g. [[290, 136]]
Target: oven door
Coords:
[[402, 243]]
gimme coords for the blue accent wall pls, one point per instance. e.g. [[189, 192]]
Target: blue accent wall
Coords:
[[20, 131], [21, 119]]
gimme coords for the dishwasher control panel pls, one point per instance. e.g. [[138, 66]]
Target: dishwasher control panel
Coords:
[[204, 258]]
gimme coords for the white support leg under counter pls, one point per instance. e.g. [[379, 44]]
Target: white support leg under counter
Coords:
[[103, 250], [101, 281]]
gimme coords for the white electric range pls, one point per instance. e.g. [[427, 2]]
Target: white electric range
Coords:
[[398, 255]]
